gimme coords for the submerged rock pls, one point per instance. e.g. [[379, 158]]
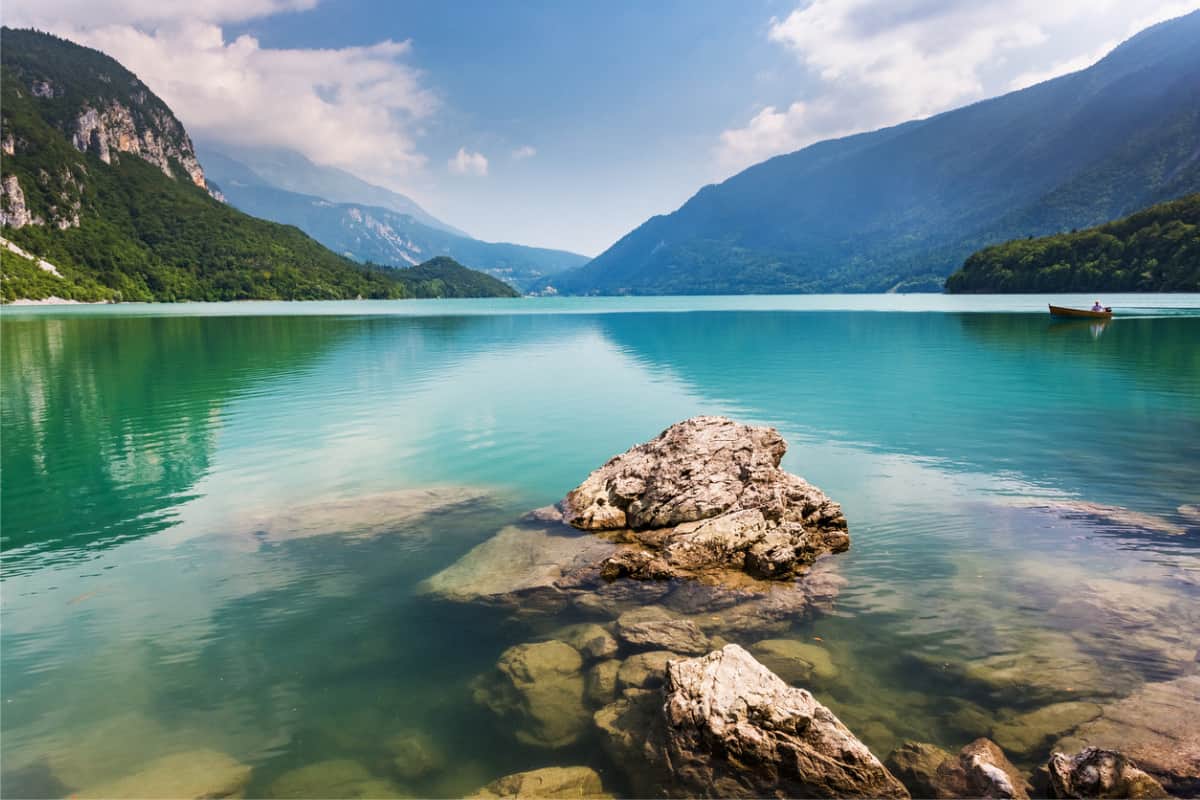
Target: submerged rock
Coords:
[[1156, 728], [602, 682], [1100, 773], [794, 661], [1026, 733], [552, 783], [360, 515], [524, 566], [540, 687], [334, 778], [195, 774], [652, 628], [644, 670], [592, 641], [735, 729], [414, 754]]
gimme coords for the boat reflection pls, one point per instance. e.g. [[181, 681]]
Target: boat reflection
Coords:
[[1095, 327]]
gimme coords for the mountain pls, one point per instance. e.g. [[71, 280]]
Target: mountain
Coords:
[[1155, 250], [375, 233], [900, 208], [292, 172], [101, 190]]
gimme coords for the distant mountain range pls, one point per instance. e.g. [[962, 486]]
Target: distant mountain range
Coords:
[[102, 198], [390, 229], [292, 172], [1155, 250], [901, 208]]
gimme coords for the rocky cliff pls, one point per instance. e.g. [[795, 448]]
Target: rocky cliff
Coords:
[[53, 87]]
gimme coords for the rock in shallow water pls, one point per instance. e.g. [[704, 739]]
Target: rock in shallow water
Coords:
[[795, 662], [708, 494], [540, 687], [1156, 727], [195, 774], [724, 725], [727, 519], [552, 783], [979, 770], [334, 778], [1100, 773], [652, 628]]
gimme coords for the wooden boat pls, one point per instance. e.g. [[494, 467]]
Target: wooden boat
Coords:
[[1077, 313]]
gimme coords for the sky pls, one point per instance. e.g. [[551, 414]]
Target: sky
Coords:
[[567, 124]]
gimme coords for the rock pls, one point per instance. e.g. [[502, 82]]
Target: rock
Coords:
[[553, 783], [358, 516], [591, 640], [602, 682], [541, 687], [1026, 733], [989, 773], [979, 770], [652, 628], [927, 770], [795, 662], [523, 565], [194, 774], [631, 733], [1156, 728], [335, 778], [1046, 666], [644, 670], [704, 503], [1100, 773], [708, 494], [735, 729], [414, 754]]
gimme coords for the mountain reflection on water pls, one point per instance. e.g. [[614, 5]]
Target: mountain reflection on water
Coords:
[[214, 526]]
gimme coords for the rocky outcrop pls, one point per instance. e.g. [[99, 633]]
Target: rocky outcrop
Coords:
[[1156, 728], [153, 135], [978, 770], [552, 783], [737, 551], [734, 729], [1100, 773], [540, 688], [14, 212], [708, 494], [989, 773]]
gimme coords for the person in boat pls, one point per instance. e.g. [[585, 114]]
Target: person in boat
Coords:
[[1097, 307]]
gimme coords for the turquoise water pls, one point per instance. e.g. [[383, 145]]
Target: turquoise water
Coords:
[[215, 517]]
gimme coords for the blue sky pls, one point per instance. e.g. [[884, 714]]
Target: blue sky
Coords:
[[566, 124]]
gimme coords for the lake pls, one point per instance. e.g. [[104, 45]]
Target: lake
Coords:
[[216, 518]]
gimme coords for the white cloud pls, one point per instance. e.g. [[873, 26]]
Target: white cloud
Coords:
[[879, 62], [82, 14], [467, 163], [351, 107], [524, 152]]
